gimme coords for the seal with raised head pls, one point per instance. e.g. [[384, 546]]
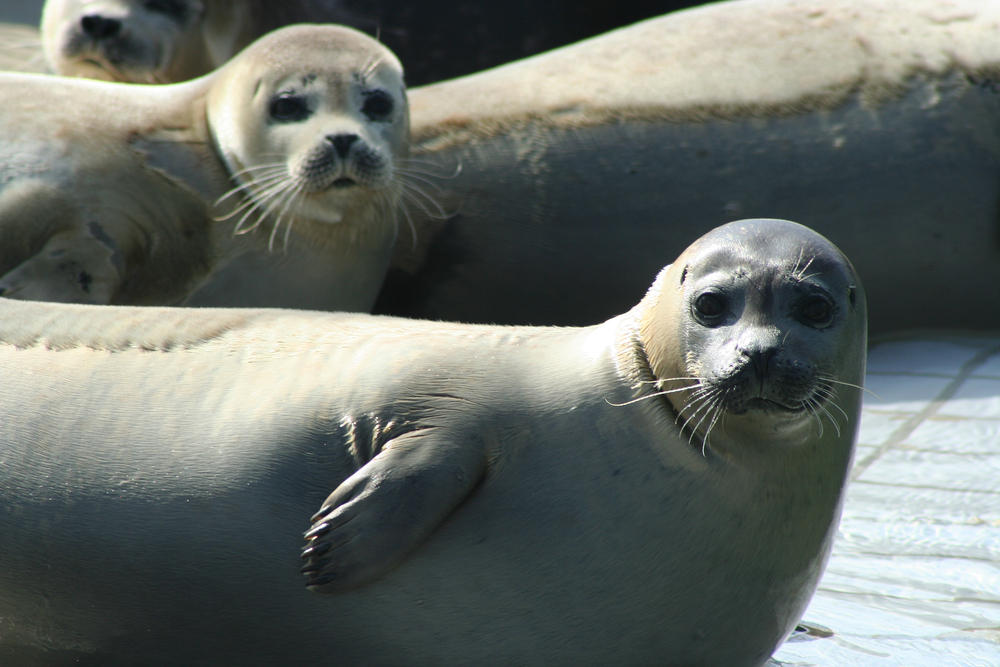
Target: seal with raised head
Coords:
[[163, 41], [875, 123], [660, 488], [114, 193]]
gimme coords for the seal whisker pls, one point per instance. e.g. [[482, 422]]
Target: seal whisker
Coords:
[[836, 426], [810, 405], [260, 182], [258, 167], [283, 199], [717, 410], [427, 203], [849, 384], [390, 208], [648, 396], [261, 204], [830, 396], [289, 196], [704, 409], [701, 400], [418, 176]]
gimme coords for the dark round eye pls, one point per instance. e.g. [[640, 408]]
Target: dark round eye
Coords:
[[377, 105], [710, 307], [288, 107], [816, 311]]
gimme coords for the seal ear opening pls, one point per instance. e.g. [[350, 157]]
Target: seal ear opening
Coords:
[[684, 275], [852, 294]]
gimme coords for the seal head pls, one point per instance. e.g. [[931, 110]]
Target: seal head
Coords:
[[316, 138], [753, 331], [126, 40]]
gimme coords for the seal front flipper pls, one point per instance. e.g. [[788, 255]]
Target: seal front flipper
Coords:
[[371, 522], [80, 265]]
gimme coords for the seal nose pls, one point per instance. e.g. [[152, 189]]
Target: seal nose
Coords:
[[342, 143], [100, 27]]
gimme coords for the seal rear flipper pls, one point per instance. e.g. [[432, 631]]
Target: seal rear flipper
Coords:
[[372, 521], [74, 266]]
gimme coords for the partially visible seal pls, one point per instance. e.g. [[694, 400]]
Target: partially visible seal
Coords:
[[660, 488], [875, 123], [163, 41], [139, 40], [114, 193]]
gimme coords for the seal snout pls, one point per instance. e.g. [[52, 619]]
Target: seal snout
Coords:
[[342, 143], [342, 160], [99, 27]]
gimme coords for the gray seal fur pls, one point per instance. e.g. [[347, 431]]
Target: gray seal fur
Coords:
[[499, 494], [874, 123]]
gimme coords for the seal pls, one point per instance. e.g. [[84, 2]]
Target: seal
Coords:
[[144, 41], [661, 487], [164, 41], [581, 167], [295, 142]]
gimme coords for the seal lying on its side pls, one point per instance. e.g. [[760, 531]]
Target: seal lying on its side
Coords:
[[662, 487], [109, 193], [166, 41], [874, 123]]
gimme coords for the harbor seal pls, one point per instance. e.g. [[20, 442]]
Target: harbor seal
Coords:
[[164, 41], [661, 487], [296, 142], [138, 40], [570, 173]]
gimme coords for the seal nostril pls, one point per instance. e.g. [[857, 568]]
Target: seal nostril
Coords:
[[342, 142], [100, 27]]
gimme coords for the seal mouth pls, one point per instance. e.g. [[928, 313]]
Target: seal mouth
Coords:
[[343, 182], [768, 405]]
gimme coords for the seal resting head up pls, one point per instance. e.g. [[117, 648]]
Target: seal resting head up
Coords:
[[753, 329], [337, 117]]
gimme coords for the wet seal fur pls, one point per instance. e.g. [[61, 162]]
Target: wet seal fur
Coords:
[[874, 123], [123, 193], [165, 41], [662, 487]]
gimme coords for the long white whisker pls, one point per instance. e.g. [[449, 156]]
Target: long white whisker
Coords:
[[649, 396], [254, 186]]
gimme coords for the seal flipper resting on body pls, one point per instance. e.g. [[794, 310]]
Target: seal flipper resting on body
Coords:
[[376, 516]]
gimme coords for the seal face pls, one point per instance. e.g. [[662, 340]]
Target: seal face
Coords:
[[156, 41], [760, 315], [339, 121]]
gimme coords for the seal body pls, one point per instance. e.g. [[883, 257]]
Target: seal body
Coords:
[[505, 494], [295, 143], [874, 124]]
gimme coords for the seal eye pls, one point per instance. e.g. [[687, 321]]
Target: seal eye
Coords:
[[816, 311], [709, 308], [288, 107], [377, 105], [173, 8]]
